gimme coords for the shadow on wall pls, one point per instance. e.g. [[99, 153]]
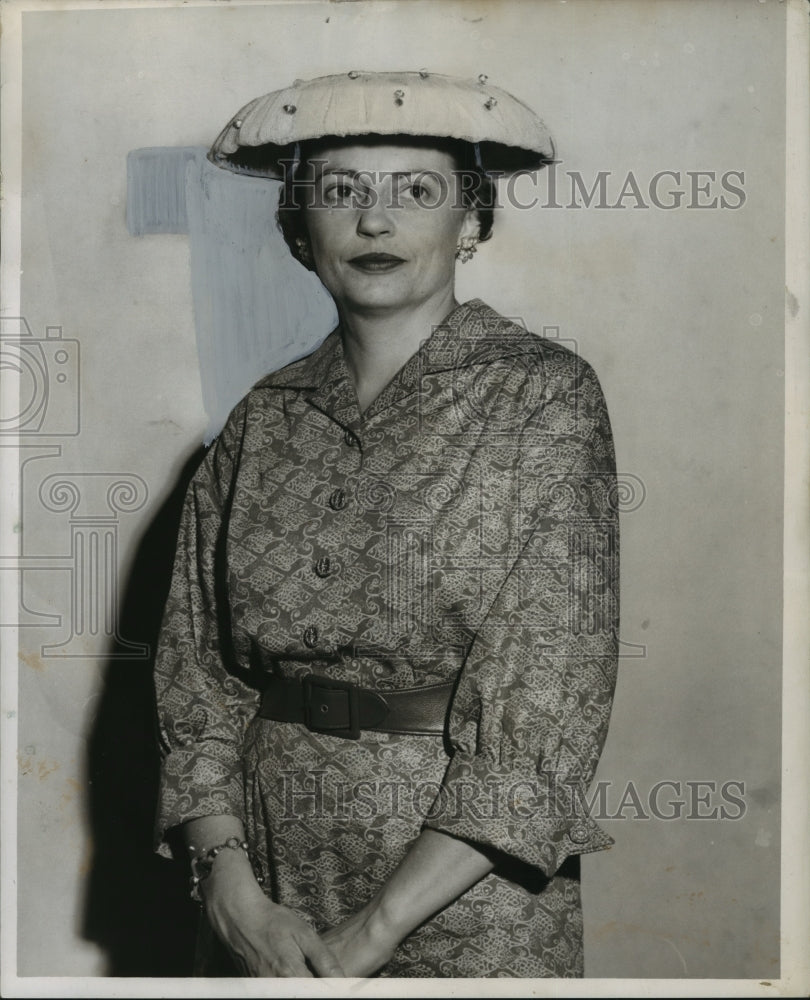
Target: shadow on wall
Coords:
[[137, 906]]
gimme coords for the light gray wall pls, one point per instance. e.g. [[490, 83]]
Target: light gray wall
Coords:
[[246, 324], [680, 312]]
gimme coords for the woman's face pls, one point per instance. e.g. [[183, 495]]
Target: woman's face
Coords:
[[384, 224]]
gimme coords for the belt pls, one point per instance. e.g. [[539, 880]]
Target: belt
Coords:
[[337, 708]]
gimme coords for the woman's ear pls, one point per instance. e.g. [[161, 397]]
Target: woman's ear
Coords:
[[471, 226]]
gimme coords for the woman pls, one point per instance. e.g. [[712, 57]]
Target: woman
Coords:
[[388, 655]]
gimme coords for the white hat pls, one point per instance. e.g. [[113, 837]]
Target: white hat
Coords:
[[507, 134]]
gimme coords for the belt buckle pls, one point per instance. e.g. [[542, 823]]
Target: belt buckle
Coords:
[[320, 701]]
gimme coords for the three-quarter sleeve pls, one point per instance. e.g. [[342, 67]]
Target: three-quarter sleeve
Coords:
[[531, 708], [203, 700]]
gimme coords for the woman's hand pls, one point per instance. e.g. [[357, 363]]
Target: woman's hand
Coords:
[[361, 944], [263, 938], [436, 870]]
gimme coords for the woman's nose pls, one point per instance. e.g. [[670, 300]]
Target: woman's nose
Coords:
[[375, 220]]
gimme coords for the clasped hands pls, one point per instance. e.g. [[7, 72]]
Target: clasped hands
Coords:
[[266, 939]]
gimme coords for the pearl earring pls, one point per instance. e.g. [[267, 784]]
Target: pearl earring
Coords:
[[303, 249], [467, 246]]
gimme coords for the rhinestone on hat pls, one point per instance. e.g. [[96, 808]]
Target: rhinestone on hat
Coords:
[[520, 129]]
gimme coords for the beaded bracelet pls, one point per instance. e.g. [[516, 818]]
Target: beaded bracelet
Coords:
[[203, 863]]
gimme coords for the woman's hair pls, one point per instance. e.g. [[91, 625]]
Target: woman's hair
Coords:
[[475, 188]]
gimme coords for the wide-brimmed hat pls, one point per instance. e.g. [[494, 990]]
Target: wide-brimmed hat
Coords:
[[506, 134]]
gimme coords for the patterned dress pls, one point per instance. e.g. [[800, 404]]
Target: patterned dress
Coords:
[[462, 528]]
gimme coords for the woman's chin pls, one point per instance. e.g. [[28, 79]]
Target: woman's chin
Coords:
[[376, 294], [387, 292]]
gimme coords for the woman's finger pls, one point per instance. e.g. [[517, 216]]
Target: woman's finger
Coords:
[[291, 971], [322, 958], [282, 967]]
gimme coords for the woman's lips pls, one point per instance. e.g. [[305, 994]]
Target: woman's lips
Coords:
[[376, 263]]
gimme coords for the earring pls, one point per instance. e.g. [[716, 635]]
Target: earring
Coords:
[[303, 250], [467, 246]]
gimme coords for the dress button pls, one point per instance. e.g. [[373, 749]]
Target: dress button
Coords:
[[310, 637], [337, 499], [349, 438], [578, 834], [323, 566]]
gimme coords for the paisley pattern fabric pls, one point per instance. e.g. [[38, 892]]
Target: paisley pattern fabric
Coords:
[[464, 528]]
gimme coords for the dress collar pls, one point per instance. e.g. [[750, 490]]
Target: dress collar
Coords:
[[471, 334]]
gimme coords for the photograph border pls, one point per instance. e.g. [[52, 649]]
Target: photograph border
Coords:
[[795, 877]]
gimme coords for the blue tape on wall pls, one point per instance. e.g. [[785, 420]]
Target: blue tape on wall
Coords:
[[156, 189]]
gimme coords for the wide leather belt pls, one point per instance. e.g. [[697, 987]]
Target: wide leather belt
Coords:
[[325, 705]]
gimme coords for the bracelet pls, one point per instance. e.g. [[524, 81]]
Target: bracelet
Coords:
[[203, 863]]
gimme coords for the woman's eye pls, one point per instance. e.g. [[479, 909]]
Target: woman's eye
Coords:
[[347, 195], [419, 192], [340, 194]]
